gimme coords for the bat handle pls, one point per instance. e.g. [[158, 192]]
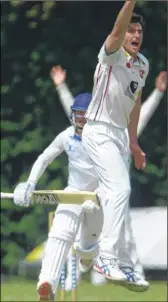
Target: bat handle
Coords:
[[7, 195]]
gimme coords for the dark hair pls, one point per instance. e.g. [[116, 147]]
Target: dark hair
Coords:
[[137, 19]]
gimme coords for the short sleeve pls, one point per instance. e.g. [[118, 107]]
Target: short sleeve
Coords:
[[109, 59]]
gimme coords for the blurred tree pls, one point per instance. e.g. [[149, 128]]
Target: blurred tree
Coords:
[[35, 35]]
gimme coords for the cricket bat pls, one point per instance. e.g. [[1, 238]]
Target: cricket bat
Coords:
[[58, 196]]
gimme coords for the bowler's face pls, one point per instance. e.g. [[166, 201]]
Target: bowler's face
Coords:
[[133, 39]]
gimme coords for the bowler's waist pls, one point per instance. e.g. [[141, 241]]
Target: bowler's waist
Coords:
[[106, 125]]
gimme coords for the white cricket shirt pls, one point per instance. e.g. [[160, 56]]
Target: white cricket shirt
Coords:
[[117, 83], [82, 175]]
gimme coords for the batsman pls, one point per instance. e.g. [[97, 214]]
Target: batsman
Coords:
[[69, 217]]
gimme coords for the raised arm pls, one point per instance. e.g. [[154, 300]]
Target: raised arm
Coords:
[[116, 37], [58, 75], [150, 105]]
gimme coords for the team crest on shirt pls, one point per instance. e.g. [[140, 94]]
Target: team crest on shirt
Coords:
[[131, 90], [70, 148], [133, 86]]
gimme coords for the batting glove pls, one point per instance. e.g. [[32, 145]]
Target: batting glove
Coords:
[[22, 194], [89, 206]]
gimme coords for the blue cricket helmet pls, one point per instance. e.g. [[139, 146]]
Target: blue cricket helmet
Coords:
[[82, 102]]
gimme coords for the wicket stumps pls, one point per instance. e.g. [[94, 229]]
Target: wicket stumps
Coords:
[[74, 276], [63, 273]]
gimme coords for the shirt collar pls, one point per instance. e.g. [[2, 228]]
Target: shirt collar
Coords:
[[137, 62], [76, 137]]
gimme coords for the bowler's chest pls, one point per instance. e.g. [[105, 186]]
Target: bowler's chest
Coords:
[[130, 77]]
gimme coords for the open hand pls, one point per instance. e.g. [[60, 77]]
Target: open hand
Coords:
[[58, 75], [139, 156], [161, 81]]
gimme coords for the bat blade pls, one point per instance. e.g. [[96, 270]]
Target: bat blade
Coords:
[[61, 196]]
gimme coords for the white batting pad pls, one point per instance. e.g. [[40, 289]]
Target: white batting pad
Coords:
[[55, 255], [66, 222]]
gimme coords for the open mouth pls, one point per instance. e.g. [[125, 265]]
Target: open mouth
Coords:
[[135, 44]]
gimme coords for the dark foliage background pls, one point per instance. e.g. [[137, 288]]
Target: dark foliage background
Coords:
[[35, 36]]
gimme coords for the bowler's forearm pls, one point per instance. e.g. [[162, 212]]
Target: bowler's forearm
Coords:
[[123, 18], [115, 39], [133, 124]]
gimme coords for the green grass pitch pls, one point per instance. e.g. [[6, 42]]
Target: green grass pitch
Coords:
[[25, 290]]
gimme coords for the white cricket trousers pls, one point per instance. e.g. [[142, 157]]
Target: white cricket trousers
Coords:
[[67, 220], [131, 248], [108, 148]]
